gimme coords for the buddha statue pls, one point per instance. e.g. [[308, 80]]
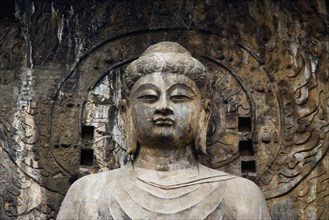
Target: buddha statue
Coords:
[[166, 114]]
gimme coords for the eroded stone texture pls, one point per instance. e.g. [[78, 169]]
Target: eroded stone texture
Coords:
[[60, 79], [165, 115]]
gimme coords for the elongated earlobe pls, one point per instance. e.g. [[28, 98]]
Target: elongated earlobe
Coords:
[[130, 134], [201, 134]]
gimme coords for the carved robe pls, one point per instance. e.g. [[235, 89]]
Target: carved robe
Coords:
[[129, 193]]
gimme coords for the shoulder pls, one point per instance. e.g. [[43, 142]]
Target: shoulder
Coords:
[[88, 186], [95, 183], [207, 171], [234, 184], [92, 181], [237, 184], [245, 186], [244, 190], [243, 198], [247, 198], [92, 186], [87, 192]]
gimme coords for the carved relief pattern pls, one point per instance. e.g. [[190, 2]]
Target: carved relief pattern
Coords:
[[306, 117], [23, 177]]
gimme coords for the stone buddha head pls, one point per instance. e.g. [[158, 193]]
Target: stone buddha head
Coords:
[[166, 104]]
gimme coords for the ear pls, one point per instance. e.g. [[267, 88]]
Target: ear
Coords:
[[207, 109], [130, 134], [201, 134]]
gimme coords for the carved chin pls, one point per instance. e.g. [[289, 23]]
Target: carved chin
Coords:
[[165, 138], [158, 139]]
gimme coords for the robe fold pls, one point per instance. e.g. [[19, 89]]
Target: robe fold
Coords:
[[129, 193]]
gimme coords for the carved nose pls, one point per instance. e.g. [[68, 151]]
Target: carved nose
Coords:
[[164, 111], [164, 107]]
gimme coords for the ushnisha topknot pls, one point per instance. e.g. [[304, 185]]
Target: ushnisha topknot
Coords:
[[166, 57], [166, 47]]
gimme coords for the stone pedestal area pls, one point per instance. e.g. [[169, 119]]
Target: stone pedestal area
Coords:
[[61, 66]]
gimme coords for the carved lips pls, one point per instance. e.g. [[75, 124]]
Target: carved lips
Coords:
[[163, 121]]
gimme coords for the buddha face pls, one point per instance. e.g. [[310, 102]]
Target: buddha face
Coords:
[[166, 110]]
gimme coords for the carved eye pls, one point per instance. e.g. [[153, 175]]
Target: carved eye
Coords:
[[179, 98], [148, 98]]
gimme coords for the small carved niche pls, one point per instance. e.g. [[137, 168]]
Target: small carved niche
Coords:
[[87, 157], [248, 167], [246, 148], [87, 133], [244, 124]]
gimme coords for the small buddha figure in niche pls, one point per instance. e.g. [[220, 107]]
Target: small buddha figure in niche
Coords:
[[166, 115]]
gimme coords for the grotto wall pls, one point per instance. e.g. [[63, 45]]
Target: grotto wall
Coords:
[[61, 66]]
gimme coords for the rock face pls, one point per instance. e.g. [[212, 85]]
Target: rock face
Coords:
[[61, 66]]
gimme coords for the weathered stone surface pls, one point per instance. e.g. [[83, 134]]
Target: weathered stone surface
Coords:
[[165, 115], [60, 77]]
